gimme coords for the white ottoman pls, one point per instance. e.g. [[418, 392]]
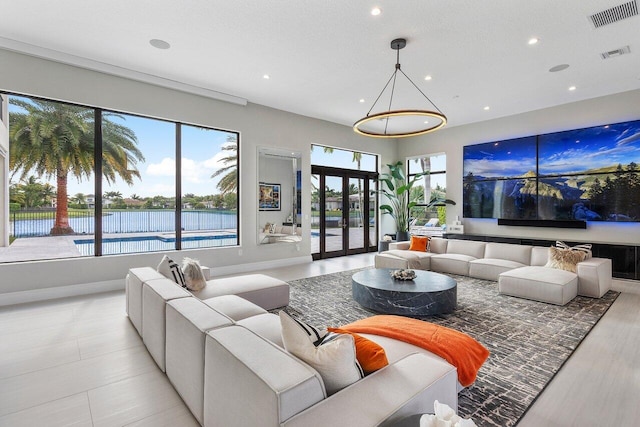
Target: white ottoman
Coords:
[[542, 284]]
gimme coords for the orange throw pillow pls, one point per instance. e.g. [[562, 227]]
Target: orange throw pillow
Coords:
[[370, 355], [419, 243]]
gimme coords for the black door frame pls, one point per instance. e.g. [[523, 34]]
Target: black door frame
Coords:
[[345, 174]]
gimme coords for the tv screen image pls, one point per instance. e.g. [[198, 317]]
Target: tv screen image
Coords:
[[590, 174]]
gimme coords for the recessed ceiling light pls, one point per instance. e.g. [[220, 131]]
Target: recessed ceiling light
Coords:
[[572, 88], [533, 40], [486, 108], [376, 11], [159, 44], [558, 68], [426, 122], [266, 77], [362, 100], [428, 77]]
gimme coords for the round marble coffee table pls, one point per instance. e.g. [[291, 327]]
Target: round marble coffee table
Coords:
[[429, 293]]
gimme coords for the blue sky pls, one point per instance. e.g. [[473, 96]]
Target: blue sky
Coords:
[[511, 158], [578, 150], [560, 153], [201, 157]]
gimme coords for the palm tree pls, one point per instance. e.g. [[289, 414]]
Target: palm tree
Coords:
[[79, 199], [229, 182], [54, 140]]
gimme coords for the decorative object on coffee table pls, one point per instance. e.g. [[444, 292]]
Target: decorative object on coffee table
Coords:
[[428, 294], [403, 274]]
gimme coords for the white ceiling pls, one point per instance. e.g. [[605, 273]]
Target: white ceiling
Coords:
[[324, 56]]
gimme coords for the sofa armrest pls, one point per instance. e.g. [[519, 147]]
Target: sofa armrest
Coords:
[[408, 386], [400, 245], [249, 381], [206, 272], [594, 277]]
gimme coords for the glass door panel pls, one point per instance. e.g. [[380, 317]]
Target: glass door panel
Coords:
[[315, 213], [356, 226], [334, 224], [372, 219]]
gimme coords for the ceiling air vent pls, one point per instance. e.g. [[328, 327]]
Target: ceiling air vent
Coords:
[[614, 14], [616, 52]]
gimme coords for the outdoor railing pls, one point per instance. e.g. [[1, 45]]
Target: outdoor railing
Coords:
[[34, 223]]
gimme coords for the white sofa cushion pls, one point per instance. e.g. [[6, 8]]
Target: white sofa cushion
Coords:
[[250, 381], [235, 307], [438, 245], [266, 325], [539, 255], [415, 259], [188, 320], [451, 263], [260, 289], [540, 284], [521, 254], [490, 268], [155, 294], [133, 287], [466, 247]]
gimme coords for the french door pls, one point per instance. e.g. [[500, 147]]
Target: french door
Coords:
[[344, 214]]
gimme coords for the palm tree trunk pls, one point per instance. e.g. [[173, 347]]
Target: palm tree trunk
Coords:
[[61, 225]]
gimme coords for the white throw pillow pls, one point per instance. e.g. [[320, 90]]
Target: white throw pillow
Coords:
[[193, 277], [272, 228], [334, 359], [169, 269]]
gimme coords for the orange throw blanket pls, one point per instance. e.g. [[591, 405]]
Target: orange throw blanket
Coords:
[[457, 348]]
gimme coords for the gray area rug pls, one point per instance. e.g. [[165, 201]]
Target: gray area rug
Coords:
[[529, 341]]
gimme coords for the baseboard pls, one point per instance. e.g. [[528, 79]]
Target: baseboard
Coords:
[[255, 266], [21, 297]]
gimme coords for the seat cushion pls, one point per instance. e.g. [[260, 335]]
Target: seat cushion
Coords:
[[451, 263], [540, 284], [235, 307], [415, 259], [490, 268], [260, 289]]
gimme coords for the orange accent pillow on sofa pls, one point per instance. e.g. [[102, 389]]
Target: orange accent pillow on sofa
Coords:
[[371, 356], [419, 243]]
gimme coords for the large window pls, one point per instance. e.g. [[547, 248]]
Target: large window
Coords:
[[431, 195], [164, 186]]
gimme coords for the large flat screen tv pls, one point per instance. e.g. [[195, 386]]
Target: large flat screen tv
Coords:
[[589, 174]]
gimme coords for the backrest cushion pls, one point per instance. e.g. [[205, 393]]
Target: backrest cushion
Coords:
[[506, 251], [419, 243], [466, 247], [539, 256], [334, 358], [370, 355], [565, 259], [437, 245]]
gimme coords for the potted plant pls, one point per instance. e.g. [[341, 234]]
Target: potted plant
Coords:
[[398, 192]]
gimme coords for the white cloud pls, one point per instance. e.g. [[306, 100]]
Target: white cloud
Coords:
[[167, 167]]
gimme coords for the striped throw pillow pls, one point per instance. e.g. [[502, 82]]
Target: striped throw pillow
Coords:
[[169, 269], [583, 247]]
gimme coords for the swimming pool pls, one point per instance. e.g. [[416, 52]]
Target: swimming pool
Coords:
[[128, 245]]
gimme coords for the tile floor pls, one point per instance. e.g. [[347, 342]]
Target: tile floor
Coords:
[[79, 362]]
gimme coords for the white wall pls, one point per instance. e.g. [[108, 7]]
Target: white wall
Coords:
[[609, 109], [258, 126], [4, 173]]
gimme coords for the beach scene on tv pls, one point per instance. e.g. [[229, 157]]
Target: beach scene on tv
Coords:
[[589, 174]]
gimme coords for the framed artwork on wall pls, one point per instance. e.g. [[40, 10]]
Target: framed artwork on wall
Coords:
[[269, 198]]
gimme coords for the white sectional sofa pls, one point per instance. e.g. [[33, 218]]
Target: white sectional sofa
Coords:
[[519, 269], [224, 356]]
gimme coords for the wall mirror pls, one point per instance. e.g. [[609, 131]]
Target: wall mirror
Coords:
[[279, 196]]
